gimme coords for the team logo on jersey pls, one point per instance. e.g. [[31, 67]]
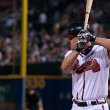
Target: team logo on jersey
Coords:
[[88, 65]]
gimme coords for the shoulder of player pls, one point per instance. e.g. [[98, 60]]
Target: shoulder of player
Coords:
[[99, 47]]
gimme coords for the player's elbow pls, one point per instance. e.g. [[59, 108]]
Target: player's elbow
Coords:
[[64, 68]]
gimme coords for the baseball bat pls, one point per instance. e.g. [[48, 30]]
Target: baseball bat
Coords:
[[88, 9]]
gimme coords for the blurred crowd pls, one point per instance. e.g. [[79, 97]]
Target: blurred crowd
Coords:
[[47, 21]]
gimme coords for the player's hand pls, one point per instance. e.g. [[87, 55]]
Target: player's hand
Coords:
[[89, 36], [81, 43]]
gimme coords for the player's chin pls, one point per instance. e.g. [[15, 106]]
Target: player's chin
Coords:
[[83, 51]]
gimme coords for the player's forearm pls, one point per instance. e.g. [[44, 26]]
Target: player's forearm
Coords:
[[103, 42], [69, 60]]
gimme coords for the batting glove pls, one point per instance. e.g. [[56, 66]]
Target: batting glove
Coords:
[[89, 36]]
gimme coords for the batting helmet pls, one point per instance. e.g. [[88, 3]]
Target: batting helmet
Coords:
[[75, 28]]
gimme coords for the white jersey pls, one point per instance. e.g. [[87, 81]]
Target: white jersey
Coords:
[[90, 74]]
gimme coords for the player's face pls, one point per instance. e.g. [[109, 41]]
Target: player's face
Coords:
[[73, 42]]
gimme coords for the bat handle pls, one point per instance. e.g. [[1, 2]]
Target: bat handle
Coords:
[[86, 20]]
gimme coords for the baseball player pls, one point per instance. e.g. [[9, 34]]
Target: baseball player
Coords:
[[88, 62]]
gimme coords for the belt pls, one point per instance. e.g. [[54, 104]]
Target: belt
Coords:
[[84, 104]]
